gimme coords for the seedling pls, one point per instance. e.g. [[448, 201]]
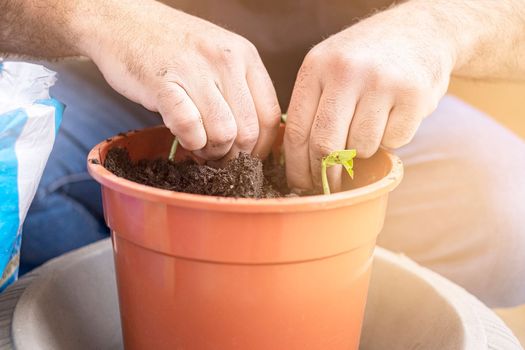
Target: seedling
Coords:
[[344, 158], [173, 149]]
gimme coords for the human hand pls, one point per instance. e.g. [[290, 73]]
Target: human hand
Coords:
[[367, 86], [209, 84]]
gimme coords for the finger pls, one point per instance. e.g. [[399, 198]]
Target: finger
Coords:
[[330, 131], [402, 125], [217, 118], [182, 117], [238, 96], [266, 106], [301, 113], [368, 124]]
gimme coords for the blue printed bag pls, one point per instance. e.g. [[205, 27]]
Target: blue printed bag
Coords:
[[29, 121]]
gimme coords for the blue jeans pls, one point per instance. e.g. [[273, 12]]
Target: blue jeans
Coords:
[[67, 211]]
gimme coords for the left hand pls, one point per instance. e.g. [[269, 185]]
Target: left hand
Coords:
[[367, 86]]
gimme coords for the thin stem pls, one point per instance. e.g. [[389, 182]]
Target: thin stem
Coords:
[[173, 149], [324, 178]]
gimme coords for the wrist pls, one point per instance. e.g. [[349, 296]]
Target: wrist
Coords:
[[104, 27], [433, 28], [93, 23]]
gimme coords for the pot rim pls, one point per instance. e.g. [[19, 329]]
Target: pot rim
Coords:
[[197, 201]]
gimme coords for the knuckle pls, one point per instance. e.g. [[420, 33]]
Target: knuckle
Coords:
[[212, 151], [330, 60], [271, 118], [364, 130], [247, 137], [295, 134], [243, 101], [317, 58], [409, 88], [365, 137], [398, 132], [171, 127], [396, 137], [230, 54], [150, 104], [390, 143], [314, 57], [249, 48], [321, 145], [226, 54], [184, 123], [213, 112], [226, 57], [347, 67], [392, 79], [169, 95], [226, 135], [341, 62], [368, 127]]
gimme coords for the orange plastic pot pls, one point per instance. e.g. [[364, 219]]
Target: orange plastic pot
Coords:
[[201, 272]]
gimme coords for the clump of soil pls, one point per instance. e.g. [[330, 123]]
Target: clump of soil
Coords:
[[244, 176]]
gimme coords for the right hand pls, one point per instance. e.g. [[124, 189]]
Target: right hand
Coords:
[[369, 85], [209, 84]]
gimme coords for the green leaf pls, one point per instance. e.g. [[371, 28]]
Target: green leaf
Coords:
[[342, 157]]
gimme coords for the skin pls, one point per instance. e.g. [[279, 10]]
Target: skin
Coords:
[[367, 86], [372, 84], [209, 85]]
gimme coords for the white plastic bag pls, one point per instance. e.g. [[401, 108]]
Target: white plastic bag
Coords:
[[29, 121]]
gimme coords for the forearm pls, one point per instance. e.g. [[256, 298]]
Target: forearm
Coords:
[[488, 36], [38, 28], [61, 28]]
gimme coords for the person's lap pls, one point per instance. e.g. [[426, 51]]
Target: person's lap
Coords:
[[460, 207], [457, 211]]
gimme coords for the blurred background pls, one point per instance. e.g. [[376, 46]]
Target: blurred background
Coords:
[[505, 102]]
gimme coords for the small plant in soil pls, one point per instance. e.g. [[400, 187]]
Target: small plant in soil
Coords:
[[173, 149], [344, 158], [244, 176]]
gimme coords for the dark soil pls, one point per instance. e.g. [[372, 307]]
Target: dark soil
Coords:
[[244, 176]]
